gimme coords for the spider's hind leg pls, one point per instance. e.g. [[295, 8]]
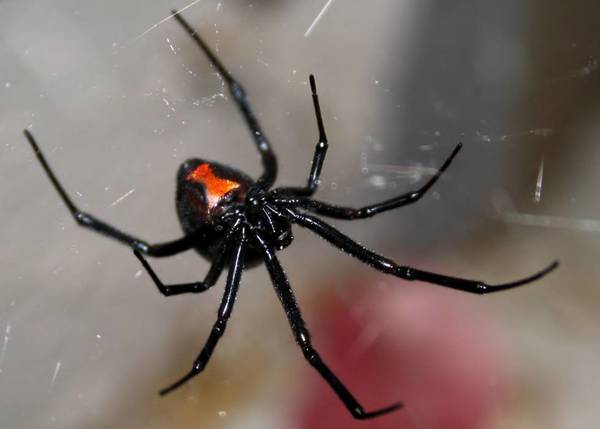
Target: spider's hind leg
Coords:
[[87, 220], [302, 336], [238, 93]]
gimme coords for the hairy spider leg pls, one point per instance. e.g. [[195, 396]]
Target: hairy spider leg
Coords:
[[349, 213], [238, 93], [89, 221], [302, 336], [236, 266], [388, 266], [319, 155]]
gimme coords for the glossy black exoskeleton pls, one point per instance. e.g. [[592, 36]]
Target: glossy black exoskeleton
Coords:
[[212, 197], [233, 220]]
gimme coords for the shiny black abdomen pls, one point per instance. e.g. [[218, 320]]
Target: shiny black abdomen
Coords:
[[206, 193]]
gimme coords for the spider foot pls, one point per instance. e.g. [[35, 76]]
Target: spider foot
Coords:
[[472, 286], [178, 383], [483, 288], [360, 414]]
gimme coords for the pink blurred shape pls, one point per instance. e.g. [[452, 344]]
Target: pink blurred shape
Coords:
[[431, 348]]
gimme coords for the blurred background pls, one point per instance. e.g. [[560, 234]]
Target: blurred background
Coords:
[[118, 96]]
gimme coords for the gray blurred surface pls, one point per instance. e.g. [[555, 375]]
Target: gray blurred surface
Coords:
[[86, 340]]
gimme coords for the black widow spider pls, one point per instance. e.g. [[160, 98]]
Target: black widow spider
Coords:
[[231, 219]]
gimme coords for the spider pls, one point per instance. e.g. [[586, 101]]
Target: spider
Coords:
[[233, 220]]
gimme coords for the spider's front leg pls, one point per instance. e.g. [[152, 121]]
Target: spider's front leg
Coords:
[[302, 336], [88, 221], [388, 266], [319, 155], [351, 213]]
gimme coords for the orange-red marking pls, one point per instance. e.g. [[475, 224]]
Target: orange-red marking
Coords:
[[215, 186]]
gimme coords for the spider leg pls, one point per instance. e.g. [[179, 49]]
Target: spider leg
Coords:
[[239, 94], [88, 221], [196, 287], [177, 289], [388, 266], [319, 155], [231, 288], [302, 336], [326, 209]]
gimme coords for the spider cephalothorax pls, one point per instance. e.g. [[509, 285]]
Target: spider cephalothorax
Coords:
[[237, 222]]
